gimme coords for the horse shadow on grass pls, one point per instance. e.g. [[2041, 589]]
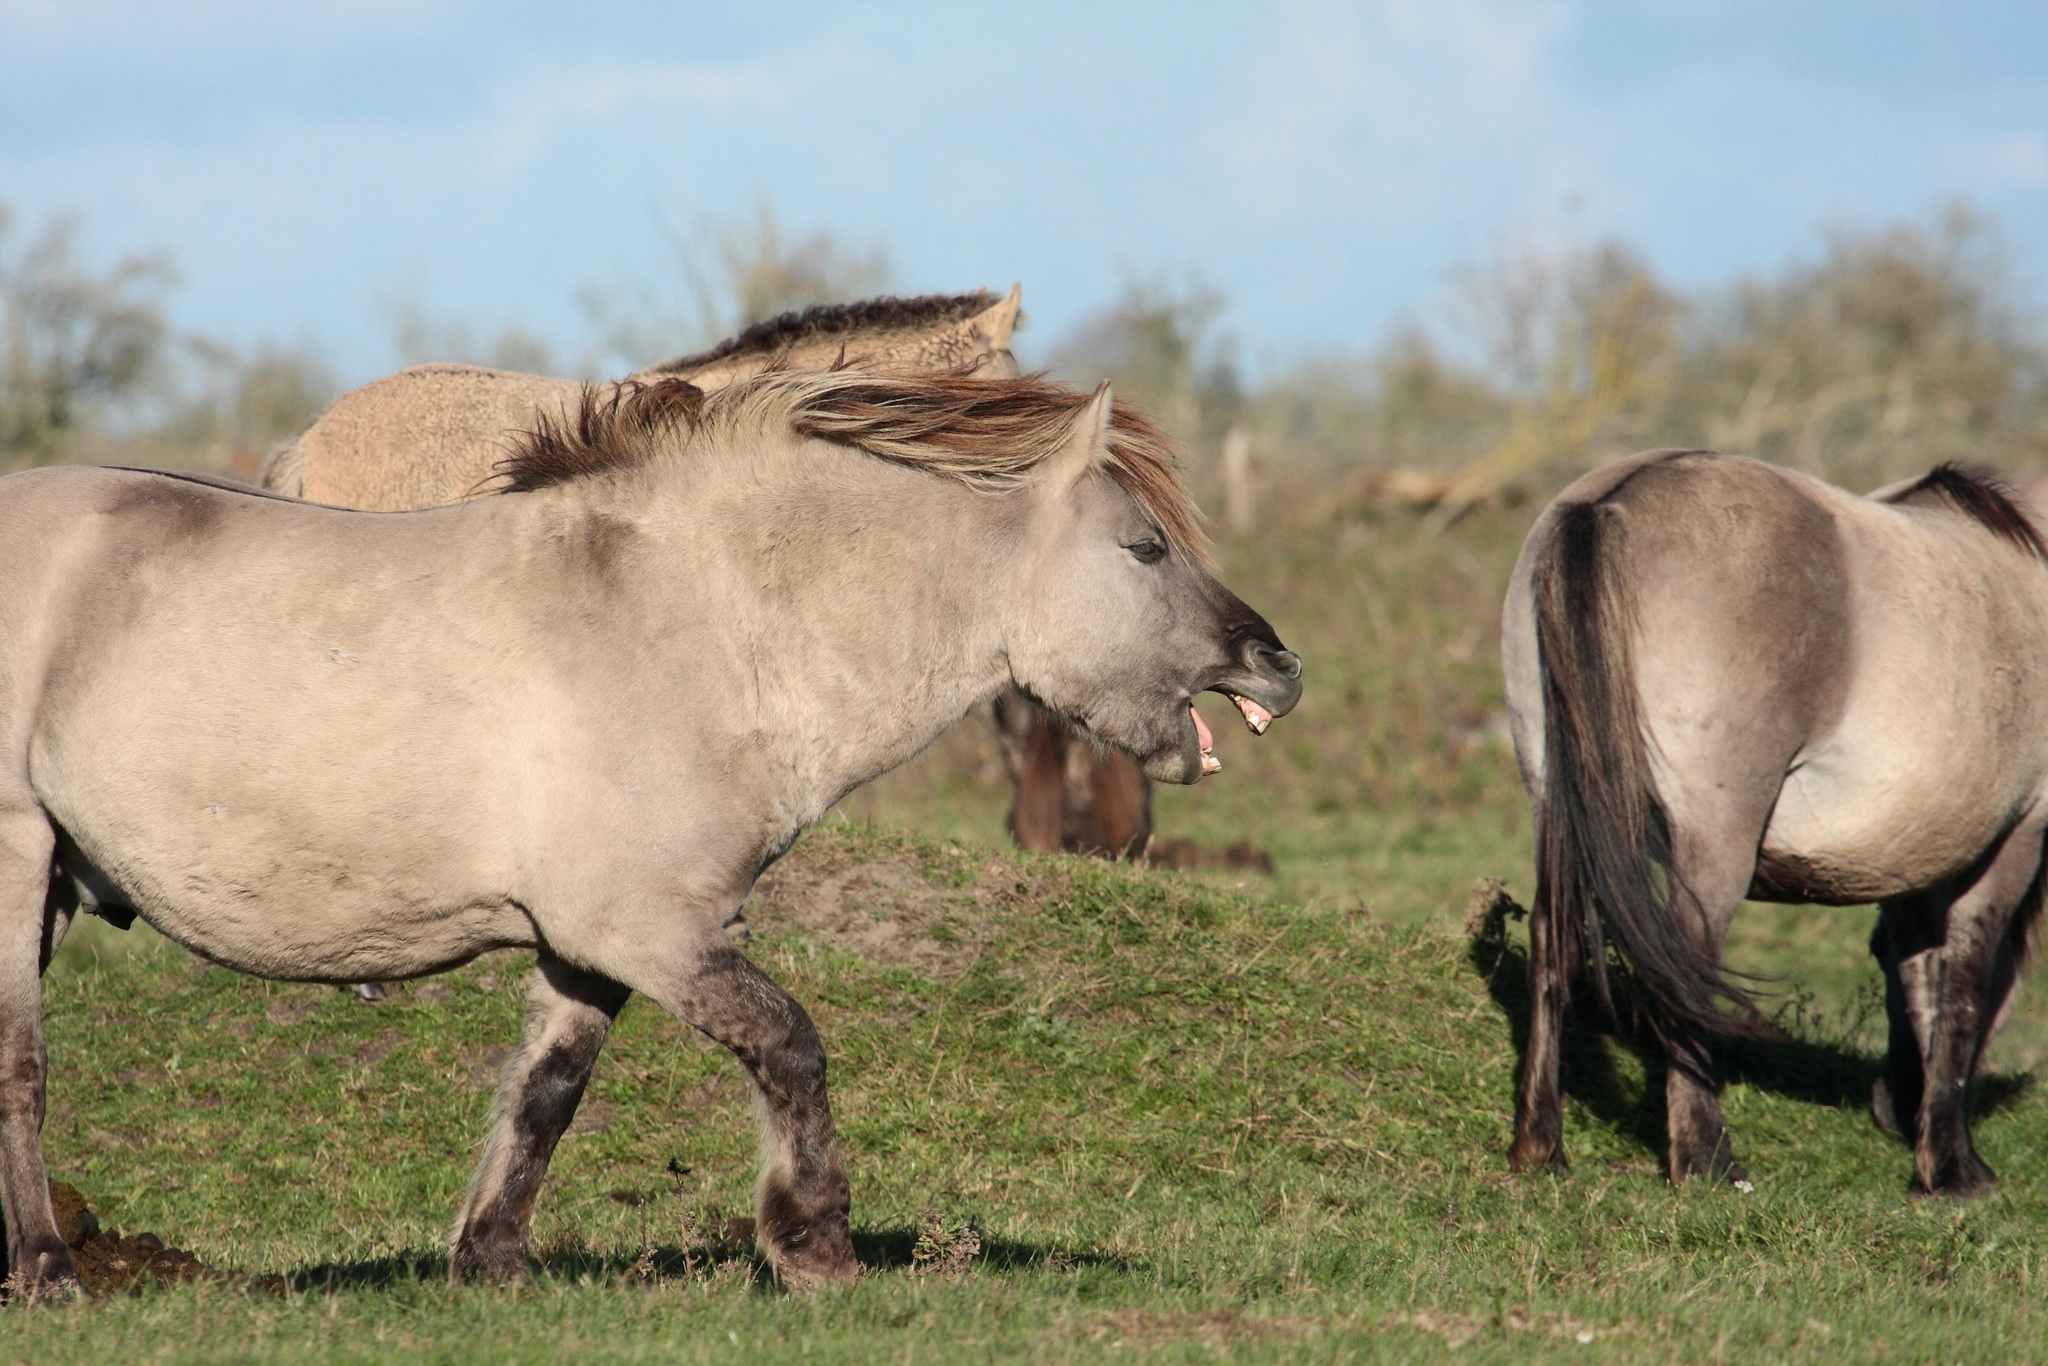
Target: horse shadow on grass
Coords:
[[883, 1250], [1805, 1069]]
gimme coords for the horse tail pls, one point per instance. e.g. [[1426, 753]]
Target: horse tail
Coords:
[[1604, 866]]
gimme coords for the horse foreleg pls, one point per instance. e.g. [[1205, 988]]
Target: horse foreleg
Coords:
[[1945, 1160], [802, 1201], [1906, 942], [568, 1012], [38, 1262], [1539, 1108]]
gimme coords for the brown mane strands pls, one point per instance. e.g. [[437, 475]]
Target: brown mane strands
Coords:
[[991, 433], [1982, 498], [867, 317], [613, 425]]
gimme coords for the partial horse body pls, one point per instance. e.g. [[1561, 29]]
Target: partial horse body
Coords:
[[578, 717], [1727, 679], [1072, 795], [432, 434]]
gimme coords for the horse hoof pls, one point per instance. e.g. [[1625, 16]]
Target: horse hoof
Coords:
[[797, 1275], [1538, 1157], [370, 991], [1963, 1178]]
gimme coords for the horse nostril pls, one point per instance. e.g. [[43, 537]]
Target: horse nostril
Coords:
[[1263, 658]]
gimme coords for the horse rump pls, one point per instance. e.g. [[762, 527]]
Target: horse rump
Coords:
[[1604, 866]]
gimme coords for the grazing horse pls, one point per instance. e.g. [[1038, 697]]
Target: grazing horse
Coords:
[[1727, 679], [577, 717]]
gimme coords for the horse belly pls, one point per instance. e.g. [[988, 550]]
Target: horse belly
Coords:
[[1856, 824], [321, 877]]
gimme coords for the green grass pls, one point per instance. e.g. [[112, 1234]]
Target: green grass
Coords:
[[1189, 1120]]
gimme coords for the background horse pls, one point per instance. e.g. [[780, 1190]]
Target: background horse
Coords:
[[578, 717], [1726, 679]]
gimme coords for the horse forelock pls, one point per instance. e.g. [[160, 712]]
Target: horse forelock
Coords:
[[1981, 497], [884, 316], [988, 433]]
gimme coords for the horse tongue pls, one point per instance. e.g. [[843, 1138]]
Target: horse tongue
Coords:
[[1210, 763]]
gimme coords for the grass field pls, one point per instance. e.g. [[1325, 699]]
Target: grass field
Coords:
[[1089, 1111]]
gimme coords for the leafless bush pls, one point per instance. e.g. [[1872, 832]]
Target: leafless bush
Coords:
[[73, 341], [728, 274]]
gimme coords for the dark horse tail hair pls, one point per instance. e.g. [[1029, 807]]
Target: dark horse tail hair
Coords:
[[1604, 868]]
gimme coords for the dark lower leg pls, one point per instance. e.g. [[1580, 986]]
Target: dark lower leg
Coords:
[[1692, 1115], [37, 1259], [802, 1201], [1539, 1109], [1897, 944], [1963, 977], [1945, 1159], [568, 1013]]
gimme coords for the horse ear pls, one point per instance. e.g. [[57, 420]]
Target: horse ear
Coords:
[[1087, 444], [995, 323]]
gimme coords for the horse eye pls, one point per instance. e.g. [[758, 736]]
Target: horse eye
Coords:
[[1148, 551]]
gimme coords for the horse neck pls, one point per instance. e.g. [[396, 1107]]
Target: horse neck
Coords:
[[867, 598]]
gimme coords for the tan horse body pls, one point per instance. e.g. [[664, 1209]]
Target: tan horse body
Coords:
[[577, 718], [431, 435]]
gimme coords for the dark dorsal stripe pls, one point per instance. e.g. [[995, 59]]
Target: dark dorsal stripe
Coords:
[[1980, 497], [887, 314]]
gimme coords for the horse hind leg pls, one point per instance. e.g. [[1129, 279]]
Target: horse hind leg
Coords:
[[38, 1262], [1715, 861], [1906, 942], [1979, 928], [568, 1013]]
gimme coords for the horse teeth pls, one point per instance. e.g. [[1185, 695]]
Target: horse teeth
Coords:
[[1256, 717], [1211, 764]]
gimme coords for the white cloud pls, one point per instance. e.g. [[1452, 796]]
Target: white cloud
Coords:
[[2021, 160]]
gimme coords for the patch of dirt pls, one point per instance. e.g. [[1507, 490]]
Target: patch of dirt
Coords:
[[887, 913], [486, 1066], [1243, 856], [291, 1004], [376, 1050], [592, 1117], [108, 1262], [1214, 1328]]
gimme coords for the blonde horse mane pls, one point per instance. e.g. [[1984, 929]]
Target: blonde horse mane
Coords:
[[989, 433]]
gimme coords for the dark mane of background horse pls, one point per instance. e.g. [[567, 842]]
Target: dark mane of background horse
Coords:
[[865, 318]]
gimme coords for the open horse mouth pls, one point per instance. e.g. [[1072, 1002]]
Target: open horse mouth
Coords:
[[1256, 720]]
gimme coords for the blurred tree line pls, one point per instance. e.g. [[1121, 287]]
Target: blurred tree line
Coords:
[[1889, 350], [92, 370]]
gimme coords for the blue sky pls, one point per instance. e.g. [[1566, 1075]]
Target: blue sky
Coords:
[[1326, 166]]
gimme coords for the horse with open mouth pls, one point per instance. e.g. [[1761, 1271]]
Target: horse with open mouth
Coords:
[[577, 717]]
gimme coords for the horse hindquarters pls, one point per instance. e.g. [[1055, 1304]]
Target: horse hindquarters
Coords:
[[1604, 831], [37, 1259]]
